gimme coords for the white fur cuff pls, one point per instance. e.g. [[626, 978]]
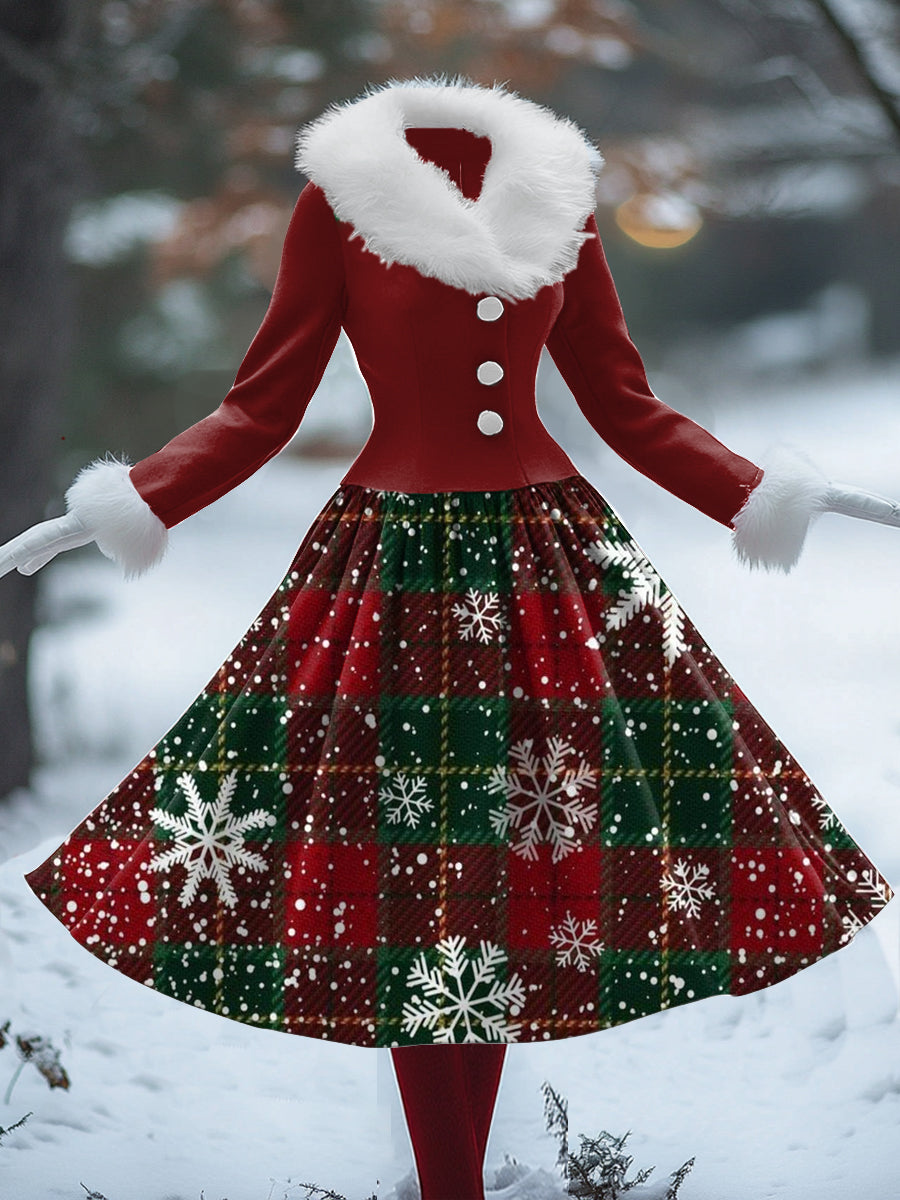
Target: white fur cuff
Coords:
[[121, 522], [771, 527]]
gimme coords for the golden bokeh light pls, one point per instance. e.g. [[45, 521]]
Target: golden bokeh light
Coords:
[[661, 221]]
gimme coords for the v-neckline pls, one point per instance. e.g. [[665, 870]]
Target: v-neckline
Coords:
[[453, 145]]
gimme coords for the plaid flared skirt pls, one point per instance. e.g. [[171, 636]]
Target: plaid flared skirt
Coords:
[[472, 775]]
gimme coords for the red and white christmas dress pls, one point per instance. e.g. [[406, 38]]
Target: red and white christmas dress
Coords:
[[472, 775]]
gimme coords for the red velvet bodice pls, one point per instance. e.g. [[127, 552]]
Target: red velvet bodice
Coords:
[[452, 379]]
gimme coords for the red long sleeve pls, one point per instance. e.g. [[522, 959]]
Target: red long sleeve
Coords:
[[274, 384], [591, 347]]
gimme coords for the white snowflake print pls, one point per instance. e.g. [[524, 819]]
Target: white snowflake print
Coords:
[[687, 887], [577, 942], [406, 799], [479, 615], [647, 591], [827, 816], [876, 890], [543, 801], [463, 995], [209, 839], [852, 924]]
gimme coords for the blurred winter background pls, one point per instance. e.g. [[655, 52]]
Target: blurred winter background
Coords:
[[750, 208]]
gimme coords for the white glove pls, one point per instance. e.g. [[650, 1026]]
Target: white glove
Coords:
[[103, 506], [854, 502], [35, 547]]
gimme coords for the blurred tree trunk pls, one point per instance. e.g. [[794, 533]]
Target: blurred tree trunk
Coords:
[[37, 169]]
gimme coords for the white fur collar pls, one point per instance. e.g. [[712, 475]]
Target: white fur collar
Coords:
[[525, 229]]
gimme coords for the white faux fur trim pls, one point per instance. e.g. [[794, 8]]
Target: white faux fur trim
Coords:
[[120, 520], [771, 527], [526, 227]]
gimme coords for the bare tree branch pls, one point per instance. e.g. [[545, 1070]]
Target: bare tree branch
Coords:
[[887, 101]]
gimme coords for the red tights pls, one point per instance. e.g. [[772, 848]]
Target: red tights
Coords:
[[448, 1094]]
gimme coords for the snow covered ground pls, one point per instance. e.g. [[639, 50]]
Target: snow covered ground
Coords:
[[790, 1093]]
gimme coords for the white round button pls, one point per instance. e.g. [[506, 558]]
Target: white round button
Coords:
[[490, 422], [490, 372], [490, 308]]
